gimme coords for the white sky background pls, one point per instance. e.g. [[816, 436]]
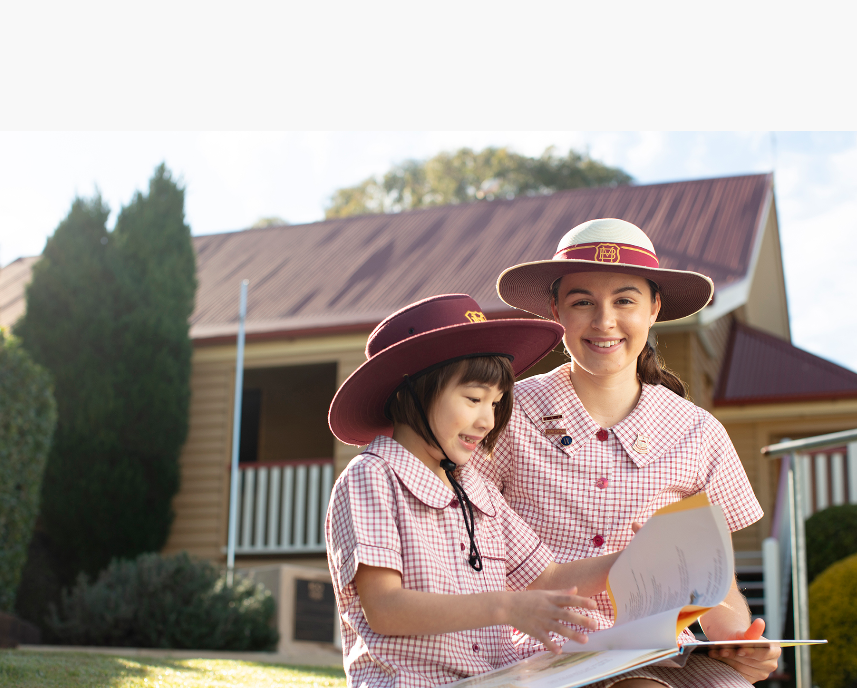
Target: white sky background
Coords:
[[641, 78]]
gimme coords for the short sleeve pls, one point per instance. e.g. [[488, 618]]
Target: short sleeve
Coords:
[[362, 521], [723, 477], [526, 555]]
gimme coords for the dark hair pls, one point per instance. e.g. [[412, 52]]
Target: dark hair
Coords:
[[651, 369], [488, 370]]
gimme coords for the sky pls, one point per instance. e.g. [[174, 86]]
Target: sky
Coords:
[[234, 178]]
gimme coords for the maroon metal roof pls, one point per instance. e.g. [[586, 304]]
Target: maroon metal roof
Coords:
[[352, 272], [761, 368]]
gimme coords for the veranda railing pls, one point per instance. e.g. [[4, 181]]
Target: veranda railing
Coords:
[[816, 472], [282, 505]]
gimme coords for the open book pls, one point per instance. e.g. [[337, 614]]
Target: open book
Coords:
[[674, 570]]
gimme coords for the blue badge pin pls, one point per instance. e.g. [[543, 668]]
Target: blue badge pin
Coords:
[[566, 440]]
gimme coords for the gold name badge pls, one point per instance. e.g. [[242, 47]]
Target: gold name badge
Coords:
[[554, 431]]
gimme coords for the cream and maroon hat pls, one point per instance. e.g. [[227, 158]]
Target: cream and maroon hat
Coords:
[[606, 245]]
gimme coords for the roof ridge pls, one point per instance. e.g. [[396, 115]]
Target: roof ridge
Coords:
[[497, 201]]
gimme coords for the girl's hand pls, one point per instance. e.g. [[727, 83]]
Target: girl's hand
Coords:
[[539, 613], [753, 663]]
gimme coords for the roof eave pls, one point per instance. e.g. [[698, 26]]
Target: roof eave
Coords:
[[228, 334], [786, 398]]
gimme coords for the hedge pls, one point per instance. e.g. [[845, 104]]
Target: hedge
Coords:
[[27, 421], [166, 602], [832, 614], [831, 535]]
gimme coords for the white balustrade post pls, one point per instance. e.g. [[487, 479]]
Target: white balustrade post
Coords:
[[852, 472], [261, 506], [837, 478], [312, 505], [300, 505], [326, 489], [821, 501], [274, 508], [247, 507], [771, 574], [803, 478], [288, 507]]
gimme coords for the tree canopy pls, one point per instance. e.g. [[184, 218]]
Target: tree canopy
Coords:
[[466, 176]]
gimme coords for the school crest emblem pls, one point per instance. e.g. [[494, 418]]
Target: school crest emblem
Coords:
[[607, 253], [475, 316]]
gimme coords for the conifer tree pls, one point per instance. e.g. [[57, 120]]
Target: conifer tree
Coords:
[[69, 329], [107, 314], [156, 286]]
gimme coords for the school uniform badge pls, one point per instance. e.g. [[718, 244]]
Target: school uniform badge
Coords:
[[641, 444]]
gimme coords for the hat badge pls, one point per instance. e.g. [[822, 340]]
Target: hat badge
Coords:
[[607, 253], [475, 316]]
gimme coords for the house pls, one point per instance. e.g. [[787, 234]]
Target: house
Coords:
[[316, 291]]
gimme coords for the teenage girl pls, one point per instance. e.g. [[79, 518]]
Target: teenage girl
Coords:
[[429, 564], [611, 437]]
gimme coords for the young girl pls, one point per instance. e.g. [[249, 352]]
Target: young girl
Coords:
[[424, 553], [610, 437]]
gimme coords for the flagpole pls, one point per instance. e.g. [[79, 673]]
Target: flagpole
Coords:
[[236, 438]]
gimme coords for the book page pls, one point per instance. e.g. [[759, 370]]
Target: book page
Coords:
[[680, 558], [547, 670], [652, 631], [767, 643]]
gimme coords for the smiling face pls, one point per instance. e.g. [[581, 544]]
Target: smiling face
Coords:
[[465, 405], [461, 417], [606, 317]]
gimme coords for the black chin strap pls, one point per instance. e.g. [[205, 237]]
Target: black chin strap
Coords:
[[475, 560]]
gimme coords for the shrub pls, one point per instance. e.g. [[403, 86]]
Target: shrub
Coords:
[[167, 602], [27, 420], [831, 535], [832, 610]]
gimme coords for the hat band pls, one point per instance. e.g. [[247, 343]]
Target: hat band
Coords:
[[609, 253]]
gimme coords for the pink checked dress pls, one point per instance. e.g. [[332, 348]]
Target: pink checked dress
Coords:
[[580, 486], [389, 510]]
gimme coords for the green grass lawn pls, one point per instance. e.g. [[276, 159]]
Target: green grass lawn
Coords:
[[73, 670]]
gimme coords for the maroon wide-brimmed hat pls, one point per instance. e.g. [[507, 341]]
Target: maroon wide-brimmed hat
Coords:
[[425, 334], [606, 245]]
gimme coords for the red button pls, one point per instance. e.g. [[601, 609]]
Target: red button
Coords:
[[454, 503], [601, 435], [601, 483], [598, 541], [462, 546], [475, 647]]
